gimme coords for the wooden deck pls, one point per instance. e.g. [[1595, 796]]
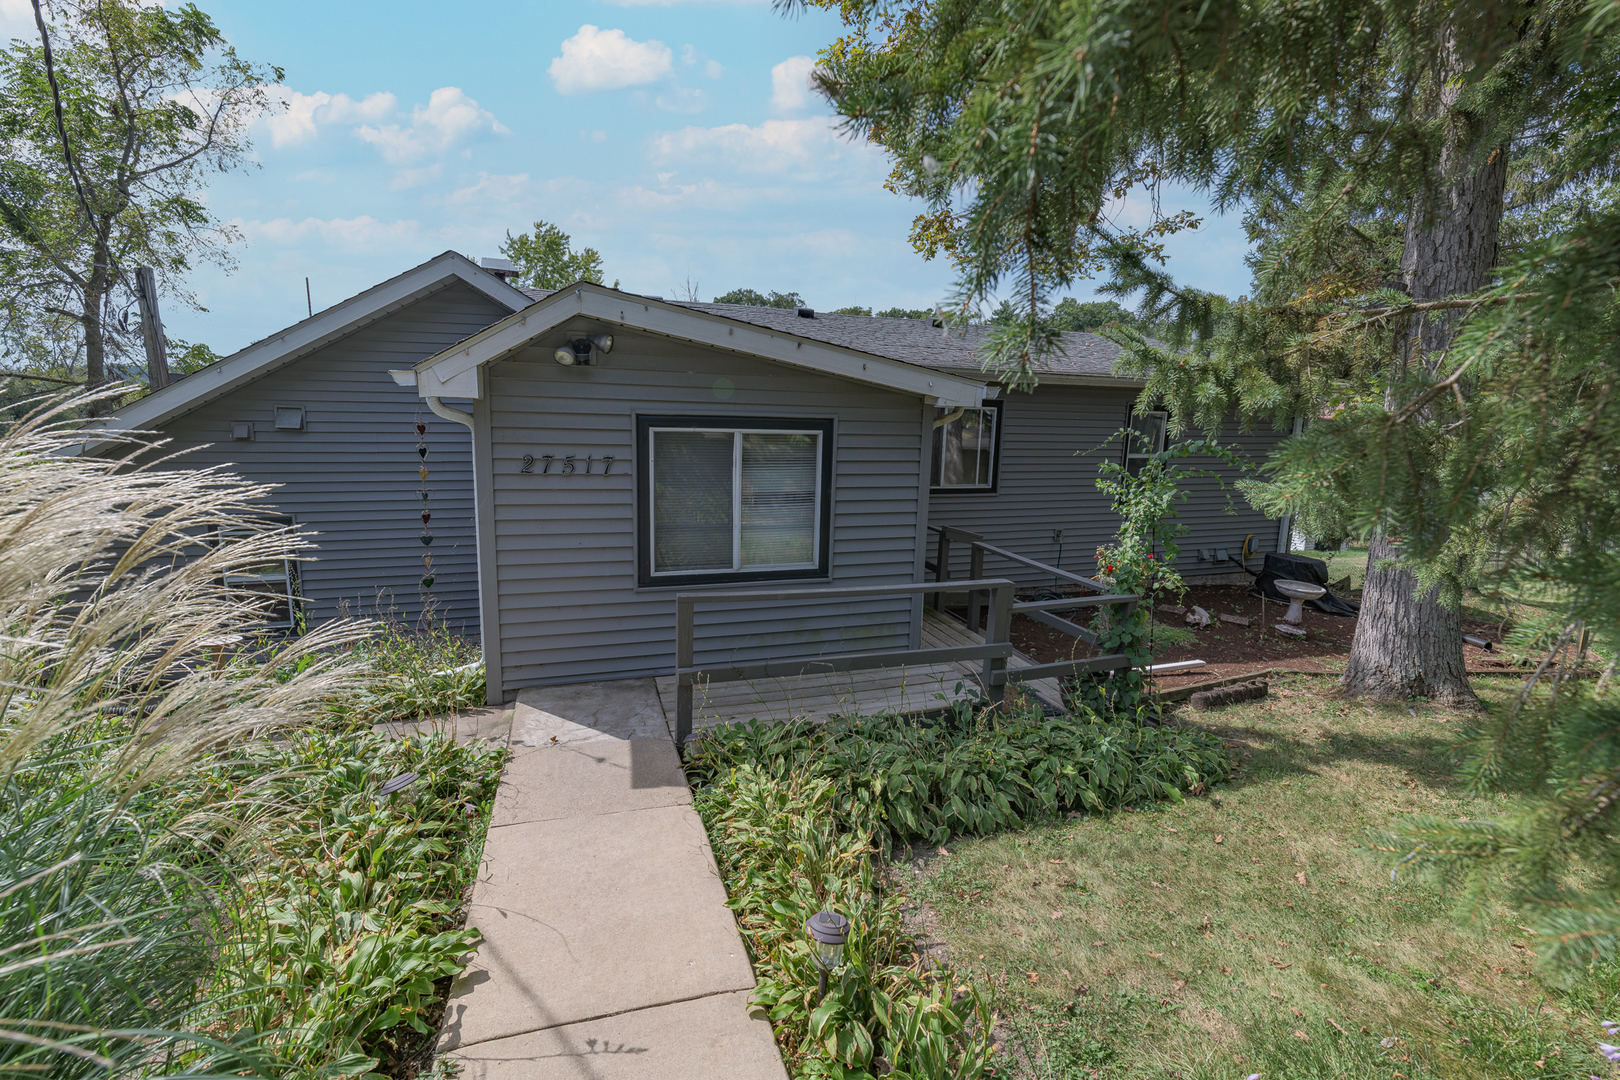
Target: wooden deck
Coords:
[[822, 696]]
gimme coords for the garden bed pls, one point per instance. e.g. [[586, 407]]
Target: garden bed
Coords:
[[1230, 649]]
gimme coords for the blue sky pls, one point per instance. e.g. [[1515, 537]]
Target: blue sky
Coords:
[[677, 138]]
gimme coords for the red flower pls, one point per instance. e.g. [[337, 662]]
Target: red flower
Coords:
[[1150, 554], [1110, 569]]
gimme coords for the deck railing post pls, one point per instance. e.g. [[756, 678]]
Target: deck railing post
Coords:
[[998, 631], [684, 653], [942, 565], [975, 598]]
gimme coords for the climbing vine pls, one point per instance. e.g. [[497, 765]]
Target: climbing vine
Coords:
[[1141, 560]]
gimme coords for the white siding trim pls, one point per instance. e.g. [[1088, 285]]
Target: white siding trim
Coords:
[[445, 375]]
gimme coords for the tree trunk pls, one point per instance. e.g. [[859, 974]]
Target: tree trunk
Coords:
[[1405, 645]]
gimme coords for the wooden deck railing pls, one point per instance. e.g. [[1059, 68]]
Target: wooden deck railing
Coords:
[[1124, 604], [994, 652]]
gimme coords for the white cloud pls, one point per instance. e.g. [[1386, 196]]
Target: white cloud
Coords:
[[790, 83], [691, 57], [806, 147], [450, 117], [409, 178], [303, 114], [682, 100], [360, 232], [489, 191], [597, 59]]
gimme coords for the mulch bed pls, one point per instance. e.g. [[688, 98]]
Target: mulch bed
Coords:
[[1228, 649]]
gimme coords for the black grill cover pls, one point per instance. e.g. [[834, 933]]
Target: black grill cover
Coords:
[[1301, 568]]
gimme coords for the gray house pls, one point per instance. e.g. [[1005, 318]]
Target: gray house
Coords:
[[681, 446], [628, 449], [312, 408]]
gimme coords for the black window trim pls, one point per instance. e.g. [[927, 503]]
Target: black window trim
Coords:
[[645, 578], [995, 458]]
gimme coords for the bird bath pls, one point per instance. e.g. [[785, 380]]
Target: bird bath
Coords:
[[1297, 592]]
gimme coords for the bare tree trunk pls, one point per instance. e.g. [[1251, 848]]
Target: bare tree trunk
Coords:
[[1406, 645]]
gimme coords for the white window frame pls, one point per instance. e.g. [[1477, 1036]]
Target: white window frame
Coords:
[[289, 576], [817, 567], [936, 477]]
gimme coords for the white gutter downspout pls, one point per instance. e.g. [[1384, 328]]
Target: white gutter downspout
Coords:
[[460, 416], [1285, 527]]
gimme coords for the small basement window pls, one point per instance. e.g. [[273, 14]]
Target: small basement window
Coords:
[[967, 450], [275, 581], [722, 500], [1146, 438]]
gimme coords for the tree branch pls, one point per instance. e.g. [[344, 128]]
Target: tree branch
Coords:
[[56, 100]]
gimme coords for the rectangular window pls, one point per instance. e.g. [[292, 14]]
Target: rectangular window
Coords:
[[275, 581], [727, 499], [1145, 440], [967, 449]]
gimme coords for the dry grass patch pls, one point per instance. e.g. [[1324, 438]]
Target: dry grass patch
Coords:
[[1253, 930]]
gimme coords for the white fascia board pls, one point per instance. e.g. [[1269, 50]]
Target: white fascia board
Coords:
[[453, 372], [302, 338]]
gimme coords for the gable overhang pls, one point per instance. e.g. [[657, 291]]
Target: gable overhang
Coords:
[[453, 373], [302, 338]]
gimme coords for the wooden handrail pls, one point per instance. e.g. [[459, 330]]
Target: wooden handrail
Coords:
[[995, 650]]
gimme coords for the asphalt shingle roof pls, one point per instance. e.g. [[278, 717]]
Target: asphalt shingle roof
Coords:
[[911, 341]]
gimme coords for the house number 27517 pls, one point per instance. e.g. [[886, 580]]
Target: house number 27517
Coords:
[[567, 463]]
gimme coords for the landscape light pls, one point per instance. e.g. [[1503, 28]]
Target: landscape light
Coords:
[[829, 930]]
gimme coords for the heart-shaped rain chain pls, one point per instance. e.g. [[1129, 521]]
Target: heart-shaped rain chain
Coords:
[[427, 537]]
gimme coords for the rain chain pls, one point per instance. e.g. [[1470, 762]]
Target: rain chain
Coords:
[[427, 535]]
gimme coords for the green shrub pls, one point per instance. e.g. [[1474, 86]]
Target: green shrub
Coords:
[[785, 856], [350, 908], [414, 673], [970, 773]]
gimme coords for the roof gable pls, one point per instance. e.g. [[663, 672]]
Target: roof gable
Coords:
[[302, 338], [454, 372]]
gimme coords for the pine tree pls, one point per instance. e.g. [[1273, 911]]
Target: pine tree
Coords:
[[1374, 143]]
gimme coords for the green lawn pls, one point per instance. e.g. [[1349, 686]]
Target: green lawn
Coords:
[[1253, 930]]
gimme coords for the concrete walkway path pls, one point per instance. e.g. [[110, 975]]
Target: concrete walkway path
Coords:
[[608, 951]]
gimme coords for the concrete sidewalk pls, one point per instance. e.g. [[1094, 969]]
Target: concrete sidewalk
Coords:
[[608, 950]]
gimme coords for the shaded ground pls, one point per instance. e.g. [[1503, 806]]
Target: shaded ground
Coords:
[[1258, 929], [1231, 649]]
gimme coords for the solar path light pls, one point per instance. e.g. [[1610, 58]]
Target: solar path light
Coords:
[[829, 930]]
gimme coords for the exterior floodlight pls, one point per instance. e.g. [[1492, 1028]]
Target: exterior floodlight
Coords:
[[829, 930], [575, 352], [603, 343]]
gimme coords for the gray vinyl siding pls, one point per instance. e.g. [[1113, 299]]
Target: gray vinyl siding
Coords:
[[1051, 447], [565, 546], [351, 475]]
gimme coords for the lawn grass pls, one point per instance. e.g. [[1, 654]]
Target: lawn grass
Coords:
[[1253, 930]]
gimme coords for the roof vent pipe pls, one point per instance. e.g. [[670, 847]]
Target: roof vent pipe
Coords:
[[807, 313]]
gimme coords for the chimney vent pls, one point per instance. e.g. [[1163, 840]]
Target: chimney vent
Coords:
[[807, 313], [505, 269]]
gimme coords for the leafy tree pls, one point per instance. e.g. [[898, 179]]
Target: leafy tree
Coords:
[[757, 299], [1373, 141], [852, 311], [905, 313], [1071, 314], [547, 260], [111, 124]]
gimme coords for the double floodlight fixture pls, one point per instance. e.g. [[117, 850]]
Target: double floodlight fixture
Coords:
[[581, 352]]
